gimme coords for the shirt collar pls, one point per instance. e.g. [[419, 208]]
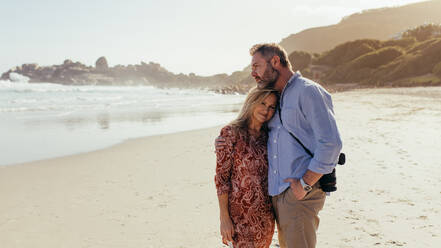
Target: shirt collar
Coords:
[[291, 81], [293, 78]]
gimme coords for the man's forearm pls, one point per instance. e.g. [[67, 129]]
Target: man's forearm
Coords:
[[311, 177]]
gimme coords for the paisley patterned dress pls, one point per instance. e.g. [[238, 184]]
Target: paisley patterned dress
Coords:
[[242, 172]]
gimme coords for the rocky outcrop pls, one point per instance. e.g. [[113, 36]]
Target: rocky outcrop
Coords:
[[67, 73], [140, 74], [101, 64]]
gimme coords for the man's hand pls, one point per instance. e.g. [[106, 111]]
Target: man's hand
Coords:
[[296, 187], [219, 143]]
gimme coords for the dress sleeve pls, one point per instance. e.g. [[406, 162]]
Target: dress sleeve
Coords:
[[224, 162]]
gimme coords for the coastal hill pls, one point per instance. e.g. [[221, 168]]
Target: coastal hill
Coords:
[[412, 57], [412, 60], [380, 24]]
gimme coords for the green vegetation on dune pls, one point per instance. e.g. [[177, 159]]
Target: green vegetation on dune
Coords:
[[424, 32], [403, 43], [376, 58], [348, 51], [417, 61], [415, 58]]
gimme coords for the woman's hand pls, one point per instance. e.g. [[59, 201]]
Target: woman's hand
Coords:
[[226, 229], [219, 143]]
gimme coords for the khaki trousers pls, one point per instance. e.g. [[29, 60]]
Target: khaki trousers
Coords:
[[297, 220]]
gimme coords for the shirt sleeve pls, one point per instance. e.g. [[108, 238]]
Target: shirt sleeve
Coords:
[[224, 162], [318, 110]]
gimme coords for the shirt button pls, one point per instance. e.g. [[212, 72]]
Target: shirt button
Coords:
[[275, 156], [275, 141], [278, 127], [275, 171]]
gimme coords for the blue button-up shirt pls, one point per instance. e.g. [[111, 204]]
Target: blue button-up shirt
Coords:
[[306, 112]]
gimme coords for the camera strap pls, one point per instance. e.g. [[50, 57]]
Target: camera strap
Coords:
[[341, 157], [298, 141]]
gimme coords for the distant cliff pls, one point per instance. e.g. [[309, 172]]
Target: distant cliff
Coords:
[[381, 24]]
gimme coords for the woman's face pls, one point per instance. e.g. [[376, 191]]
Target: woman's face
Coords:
[[263, 111]]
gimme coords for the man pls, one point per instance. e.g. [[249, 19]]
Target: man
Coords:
[[306, 111]]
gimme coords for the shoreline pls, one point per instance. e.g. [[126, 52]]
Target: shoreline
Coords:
[[122, 142], [47, 121], [114, 142]]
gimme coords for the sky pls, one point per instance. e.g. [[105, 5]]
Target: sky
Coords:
[[205, 37]]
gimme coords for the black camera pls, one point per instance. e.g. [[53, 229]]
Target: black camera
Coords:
[[341, 159], [328, 182]]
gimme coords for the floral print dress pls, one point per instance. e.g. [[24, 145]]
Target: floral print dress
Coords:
[[242, 172]]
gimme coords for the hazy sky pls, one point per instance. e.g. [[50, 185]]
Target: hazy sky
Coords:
[[201, 36]]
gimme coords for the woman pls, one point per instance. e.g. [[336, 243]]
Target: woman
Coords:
[[246, 215]]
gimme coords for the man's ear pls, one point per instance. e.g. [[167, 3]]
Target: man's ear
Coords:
[[275, 61]]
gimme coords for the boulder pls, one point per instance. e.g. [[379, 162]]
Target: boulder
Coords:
[[101, 64], [67, 62]]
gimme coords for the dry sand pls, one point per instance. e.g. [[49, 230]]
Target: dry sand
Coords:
[[159, 192]]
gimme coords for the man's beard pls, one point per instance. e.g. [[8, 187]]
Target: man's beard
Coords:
[[269, 78]]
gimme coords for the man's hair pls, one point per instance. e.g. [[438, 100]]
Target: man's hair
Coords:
[[268, 50]]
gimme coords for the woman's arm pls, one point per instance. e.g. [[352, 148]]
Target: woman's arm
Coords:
[[226, 225], [224, 164]]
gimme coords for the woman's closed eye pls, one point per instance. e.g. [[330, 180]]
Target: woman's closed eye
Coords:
[[271, 107]]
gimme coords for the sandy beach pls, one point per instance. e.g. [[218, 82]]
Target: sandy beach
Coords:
[[158, 191]]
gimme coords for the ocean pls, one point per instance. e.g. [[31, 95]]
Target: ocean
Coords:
[[44, 120]]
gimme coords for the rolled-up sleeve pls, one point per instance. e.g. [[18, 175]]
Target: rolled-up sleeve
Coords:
[[224, 162], [318, 110]]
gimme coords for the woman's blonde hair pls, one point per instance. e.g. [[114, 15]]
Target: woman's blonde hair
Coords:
[[255, 96]]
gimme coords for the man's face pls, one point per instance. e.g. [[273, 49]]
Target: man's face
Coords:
[[263, 72]]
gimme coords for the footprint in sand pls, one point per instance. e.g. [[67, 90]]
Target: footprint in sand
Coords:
[[391, 218], [379, 191], [396, 243], [373, 221], [431, 210], [162, 205], [377, 235], [422, 217], [408, 202]]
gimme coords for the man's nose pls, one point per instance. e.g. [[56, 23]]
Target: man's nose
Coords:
[[253, 73]]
